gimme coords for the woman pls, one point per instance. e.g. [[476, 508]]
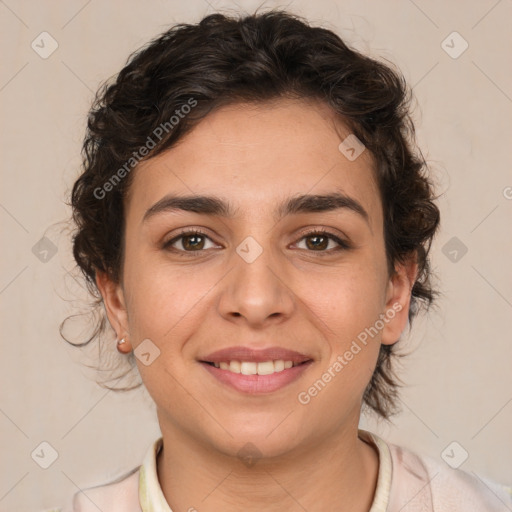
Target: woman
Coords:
[[257, 219]]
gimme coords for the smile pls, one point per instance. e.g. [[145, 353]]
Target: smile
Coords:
[[253, 368], [250, 377]]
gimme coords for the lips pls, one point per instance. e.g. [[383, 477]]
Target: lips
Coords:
[[256, 371], [241, 353]]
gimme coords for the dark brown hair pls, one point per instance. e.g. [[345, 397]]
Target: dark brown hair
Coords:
[[259, 57]]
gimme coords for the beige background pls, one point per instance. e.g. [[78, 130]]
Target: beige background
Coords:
[[458, 380]]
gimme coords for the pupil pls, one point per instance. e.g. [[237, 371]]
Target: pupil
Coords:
[[192, 245], [316, 245]]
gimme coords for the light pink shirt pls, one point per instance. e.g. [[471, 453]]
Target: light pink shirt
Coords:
[[406, 482]]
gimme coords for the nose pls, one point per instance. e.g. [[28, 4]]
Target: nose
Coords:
[[256, 291]]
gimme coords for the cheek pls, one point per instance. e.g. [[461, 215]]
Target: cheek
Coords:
[[351, 349], [348, 298], [349, 302], [164, 300]]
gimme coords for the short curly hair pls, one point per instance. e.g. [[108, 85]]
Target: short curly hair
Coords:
[[253, 58]]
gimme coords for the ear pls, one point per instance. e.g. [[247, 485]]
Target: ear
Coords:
[[115, 304], [398, 300]]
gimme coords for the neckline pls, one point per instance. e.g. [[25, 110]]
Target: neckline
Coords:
[[383, 488], [152, 499]]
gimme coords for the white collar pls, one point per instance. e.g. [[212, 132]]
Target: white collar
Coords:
[[152, 498]]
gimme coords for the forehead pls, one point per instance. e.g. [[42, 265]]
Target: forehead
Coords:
[[256, 155]]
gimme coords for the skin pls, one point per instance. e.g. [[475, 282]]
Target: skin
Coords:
[[256, 156]]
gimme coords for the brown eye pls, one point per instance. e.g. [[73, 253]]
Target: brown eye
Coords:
[[190, 241], [318, 241]]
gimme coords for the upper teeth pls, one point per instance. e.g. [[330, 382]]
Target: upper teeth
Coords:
[[252, 368]]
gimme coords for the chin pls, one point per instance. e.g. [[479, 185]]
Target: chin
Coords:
[[268, 437]]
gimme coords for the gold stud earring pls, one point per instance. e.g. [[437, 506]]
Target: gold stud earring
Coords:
[[123, 346]]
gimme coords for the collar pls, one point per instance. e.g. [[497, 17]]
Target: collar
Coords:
[[383, 489], [152, 497]]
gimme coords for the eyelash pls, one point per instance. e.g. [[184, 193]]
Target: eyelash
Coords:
[[322, 232]]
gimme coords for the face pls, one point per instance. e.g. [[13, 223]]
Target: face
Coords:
[[297, 281]]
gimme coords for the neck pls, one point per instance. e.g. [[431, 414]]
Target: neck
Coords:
[[339, 473]]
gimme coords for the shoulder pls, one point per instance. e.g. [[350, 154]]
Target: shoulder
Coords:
[[122, 495], [126, 493], [422, 483]]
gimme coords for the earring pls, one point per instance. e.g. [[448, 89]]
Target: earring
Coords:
[[123, 346]]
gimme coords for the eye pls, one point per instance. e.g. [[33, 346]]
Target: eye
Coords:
[[319, 241], [191, 240]]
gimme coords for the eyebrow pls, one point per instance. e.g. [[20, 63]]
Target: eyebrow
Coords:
[[215, 206]]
